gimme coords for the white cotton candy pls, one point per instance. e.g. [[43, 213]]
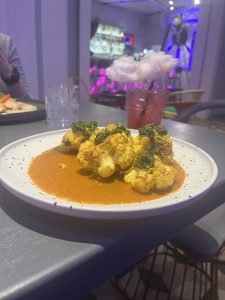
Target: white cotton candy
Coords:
[[152, 66]]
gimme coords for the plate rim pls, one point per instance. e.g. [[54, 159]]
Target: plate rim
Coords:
[[95, 211]]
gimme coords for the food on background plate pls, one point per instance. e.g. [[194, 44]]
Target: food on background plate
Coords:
[[93, 165], [10, 105]]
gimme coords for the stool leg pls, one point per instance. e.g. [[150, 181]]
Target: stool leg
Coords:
[[214, 281]]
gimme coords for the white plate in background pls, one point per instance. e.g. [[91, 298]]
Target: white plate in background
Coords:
[[24, 116]]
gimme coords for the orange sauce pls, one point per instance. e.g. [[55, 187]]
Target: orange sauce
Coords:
[[77, 185]]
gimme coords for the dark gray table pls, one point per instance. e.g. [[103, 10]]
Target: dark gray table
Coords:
[[49, 256]]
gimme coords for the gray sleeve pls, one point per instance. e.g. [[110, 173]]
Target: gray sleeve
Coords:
[[14, 60]]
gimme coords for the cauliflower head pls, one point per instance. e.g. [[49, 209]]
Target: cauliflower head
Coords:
[[157, 139], [95, 159], [108, 150], [163, 174], [71, 142], [79, 132], [149, 172]]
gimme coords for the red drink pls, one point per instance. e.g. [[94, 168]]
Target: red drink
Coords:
[[145, 106]]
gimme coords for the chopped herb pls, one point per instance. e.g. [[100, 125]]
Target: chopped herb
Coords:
[[101, 136], [161, 130], [86, 127], [144, 160], [119, 129], [147, 130]]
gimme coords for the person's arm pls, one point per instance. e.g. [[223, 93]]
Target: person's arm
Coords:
[[19, 89]]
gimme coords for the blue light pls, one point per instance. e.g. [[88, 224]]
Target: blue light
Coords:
[[192, 46], [178, 53], [192, 21], [127, 40], [189, 10], [188, 49], [168, 49]]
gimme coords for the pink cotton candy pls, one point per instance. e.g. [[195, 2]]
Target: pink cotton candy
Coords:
[[151, 66]]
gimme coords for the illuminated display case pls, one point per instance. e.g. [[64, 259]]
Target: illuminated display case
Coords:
[[107, 42]]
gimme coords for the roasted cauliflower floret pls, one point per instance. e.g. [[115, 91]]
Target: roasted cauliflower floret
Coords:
[[71, 142], [140, 175], [106, 166], [149, 172], [141, 180], [119, 147], [108, 151], [141, 144], [156, 138], [110, 127], [164, 175], [80, 131], [117, 141], [164, 147], [124, 155], [95, 159], [88, 156]]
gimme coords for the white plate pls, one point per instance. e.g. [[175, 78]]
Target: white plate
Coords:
[[200, 169]]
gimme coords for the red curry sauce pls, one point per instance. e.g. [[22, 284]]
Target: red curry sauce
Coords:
[[59, 174]]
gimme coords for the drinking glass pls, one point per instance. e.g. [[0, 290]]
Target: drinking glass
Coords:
[[62, 105]]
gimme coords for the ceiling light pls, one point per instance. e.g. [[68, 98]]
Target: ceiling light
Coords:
[[171, 8], [171, 2], [197, 2]]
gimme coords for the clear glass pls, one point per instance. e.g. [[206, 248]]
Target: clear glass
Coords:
[[62, 105]]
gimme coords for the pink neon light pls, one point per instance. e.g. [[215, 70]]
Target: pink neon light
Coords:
[[100, 81], [102, 71], [108, 84], [92, 69], [171, 73], [92, 90]]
